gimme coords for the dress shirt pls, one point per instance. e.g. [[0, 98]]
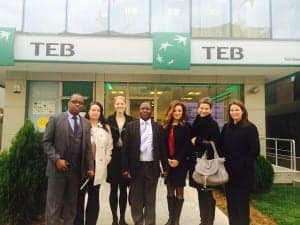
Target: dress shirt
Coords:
[[146, 148]]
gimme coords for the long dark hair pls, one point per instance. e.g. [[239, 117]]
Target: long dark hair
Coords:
[[168, 120], [244, 120], [101, 118]]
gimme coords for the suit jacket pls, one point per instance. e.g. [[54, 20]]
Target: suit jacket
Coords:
[[131, 148], [56, 143]]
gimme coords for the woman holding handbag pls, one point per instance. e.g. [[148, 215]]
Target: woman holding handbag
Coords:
[[240, 145], [204, 130], [177, 139]]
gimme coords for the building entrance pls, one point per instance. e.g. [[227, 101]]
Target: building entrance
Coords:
[[160, 96]]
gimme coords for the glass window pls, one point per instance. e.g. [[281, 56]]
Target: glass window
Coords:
[[45, 16], [250, 18], [43, 101], [129, 16], [71, 87], [11, 13], [87, 18], [170, 16], [160, 95], [285, 19], [211, 18]]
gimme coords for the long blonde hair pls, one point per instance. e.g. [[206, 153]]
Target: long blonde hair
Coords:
[[168, 120]]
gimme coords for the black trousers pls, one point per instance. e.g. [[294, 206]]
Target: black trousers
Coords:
[[238, 204], [142, 194], [92, 208]]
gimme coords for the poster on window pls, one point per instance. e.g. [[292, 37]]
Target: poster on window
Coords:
[[43, 107], [218, 113], [191, 111]]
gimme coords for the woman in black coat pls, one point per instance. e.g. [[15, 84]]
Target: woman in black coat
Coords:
[[240, 145], [117, 123], [177, 142], [204, 130]]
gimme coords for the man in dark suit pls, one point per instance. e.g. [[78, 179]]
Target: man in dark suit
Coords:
[[141, 159], [67, 144]]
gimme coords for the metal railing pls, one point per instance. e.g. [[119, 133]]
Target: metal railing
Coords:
[[281, 152]]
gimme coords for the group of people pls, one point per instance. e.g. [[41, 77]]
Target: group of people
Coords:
[[83, 153]]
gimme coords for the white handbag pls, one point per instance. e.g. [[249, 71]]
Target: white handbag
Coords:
[[210, 172]]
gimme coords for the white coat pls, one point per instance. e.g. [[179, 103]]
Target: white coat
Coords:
[[103, 142]]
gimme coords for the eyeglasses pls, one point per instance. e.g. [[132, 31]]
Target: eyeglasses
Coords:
[[77, 102]]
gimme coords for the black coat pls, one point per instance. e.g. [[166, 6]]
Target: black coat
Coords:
[[182, 147], [204, 129], [131, 148], [240, 145], [114, 169]]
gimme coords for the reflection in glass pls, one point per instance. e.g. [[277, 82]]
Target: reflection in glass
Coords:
[[11, 13], [45, 16], [250, 18], [170, 16], [129, 16], [87, 18], [285, 21], [211, 18], [162, 94]]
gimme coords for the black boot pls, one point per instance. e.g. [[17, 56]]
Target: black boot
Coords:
[[177, 210], [207, 205], [115, 219], [211, 212], [171, 204], [122, 220]]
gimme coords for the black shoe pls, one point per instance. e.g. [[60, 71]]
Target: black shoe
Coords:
[[123, 222]]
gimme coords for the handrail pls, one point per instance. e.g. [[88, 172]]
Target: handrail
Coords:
[[291, 150]]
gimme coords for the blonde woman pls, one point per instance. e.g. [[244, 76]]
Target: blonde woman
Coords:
[[118, 122], [102, 145]]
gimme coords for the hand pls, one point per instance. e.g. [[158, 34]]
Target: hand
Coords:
[[90, 173], [173, 162], [62, 164], [193, 140], [126, 175], [164, 174]]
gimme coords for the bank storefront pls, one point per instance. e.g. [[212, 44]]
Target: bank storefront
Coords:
[[47, 69]]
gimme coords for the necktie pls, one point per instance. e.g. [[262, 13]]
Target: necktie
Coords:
[[75, 130]]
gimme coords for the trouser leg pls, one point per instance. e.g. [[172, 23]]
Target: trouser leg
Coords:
[[54, 201], [92, 208], [71, 196], [136, 199], [238, 205]]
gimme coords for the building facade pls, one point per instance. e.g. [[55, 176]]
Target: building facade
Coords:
[[104, 48]]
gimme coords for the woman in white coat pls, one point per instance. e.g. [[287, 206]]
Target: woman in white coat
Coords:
[[102, 145]]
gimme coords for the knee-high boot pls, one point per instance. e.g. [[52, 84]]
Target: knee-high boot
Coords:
[[171, 207], [207, 206], [177, 210]]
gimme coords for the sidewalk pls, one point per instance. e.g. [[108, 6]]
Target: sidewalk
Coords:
[[189, 216]]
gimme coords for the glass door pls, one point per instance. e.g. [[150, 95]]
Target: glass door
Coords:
[[133, 106]]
